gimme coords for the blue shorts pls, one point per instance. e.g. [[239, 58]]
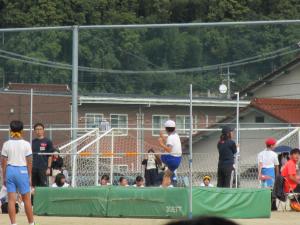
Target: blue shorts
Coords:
[[17, 179], [268, 172], [172, 162]]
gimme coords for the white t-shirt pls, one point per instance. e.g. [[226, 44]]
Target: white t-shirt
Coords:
[[203, 185], [137, 186], [174, 142], [16, 152], [151, 164], [268, 158], [64, 186]]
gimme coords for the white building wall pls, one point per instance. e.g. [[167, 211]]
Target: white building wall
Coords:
[[251, 142], [285, 86]]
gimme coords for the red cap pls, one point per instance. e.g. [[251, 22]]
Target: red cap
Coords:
[[271, 141]]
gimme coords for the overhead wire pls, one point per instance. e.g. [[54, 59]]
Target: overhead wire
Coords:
[[57, 65]]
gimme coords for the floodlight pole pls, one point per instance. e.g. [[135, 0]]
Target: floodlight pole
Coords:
[[75, 82], [74, 100], [191, 155], [237, 137]]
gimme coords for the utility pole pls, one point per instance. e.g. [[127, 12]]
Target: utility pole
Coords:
[[229, 80]]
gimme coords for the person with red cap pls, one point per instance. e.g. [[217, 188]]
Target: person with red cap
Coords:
[[268, 164]]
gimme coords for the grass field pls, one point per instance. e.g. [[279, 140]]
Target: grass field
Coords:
[[278, 218]]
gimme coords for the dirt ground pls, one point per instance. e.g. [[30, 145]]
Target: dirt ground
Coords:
[[278, 218]]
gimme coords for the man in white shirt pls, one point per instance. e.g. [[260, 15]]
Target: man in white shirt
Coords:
[[17, 168], [104, 125], [268, 164], [171, 145]]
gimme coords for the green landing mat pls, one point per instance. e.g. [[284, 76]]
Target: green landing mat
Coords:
[[152, 202]]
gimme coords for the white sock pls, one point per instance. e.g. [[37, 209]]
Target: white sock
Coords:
[[31, 223], [16, 224]]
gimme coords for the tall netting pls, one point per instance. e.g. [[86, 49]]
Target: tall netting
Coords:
[[252, 141], [119, 153], [70, 149]]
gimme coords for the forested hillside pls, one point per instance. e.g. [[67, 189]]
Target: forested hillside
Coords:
[[146, 61]]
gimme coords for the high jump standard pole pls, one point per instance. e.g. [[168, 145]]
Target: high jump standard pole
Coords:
[[237, 137], [191, 155], [31, 112]]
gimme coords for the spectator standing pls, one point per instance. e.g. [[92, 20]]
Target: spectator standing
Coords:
[[104, 125], [268, 164], [16, 168], [227, 150], [41, 167], [152, 164]]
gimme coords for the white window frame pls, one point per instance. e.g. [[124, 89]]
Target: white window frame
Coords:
[[161, 115], [124, 131], [86, 115], [185, 131]]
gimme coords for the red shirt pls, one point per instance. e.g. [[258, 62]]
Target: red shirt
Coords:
[[289, 169]]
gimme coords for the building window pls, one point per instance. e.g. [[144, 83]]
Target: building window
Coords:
[[158, 123], [259, 119], [183, 124], [93, 120], [119, 121]]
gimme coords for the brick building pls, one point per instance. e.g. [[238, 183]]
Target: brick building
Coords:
[[51, 105], [143, 117]]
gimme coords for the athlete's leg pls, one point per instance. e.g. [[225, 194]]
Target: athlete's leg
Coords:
[[12, 207], [28, 207], [23, 186], [12, 192], [167, 178]]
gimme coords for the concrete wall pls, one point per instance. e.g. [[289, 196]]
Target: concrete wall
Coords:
[[286, 86]]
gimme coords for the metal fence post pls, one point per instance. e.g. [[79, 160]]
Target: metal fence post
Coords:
[[191, 154], [97, 158]]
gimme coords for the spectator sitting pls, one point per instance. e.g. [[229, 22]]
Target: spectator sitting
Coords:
[[60, 181], [123, 182], [206, 182], [139, 182], [57, 165], [289, 172], [170, 186], [104, 181]]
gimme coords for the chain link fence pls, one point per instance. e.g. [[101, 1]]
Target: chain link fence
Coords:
[[116, 154]]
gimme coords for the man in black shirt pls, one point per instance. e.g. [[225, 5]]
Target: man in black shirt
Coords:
[[41, 164]]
